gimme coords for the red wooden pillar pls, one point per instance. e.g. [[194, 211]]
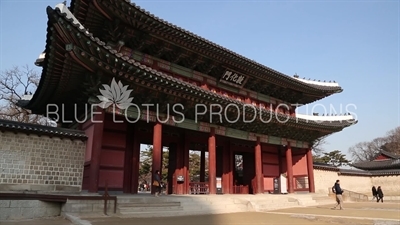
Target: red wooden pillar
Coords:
[[157, 150], [98, 129], [172, 168], [128, 162], [212, 170], [135, 162], [259, 189], [179, 171], [310, 170], [186, 146], [203, 165], [231, 168], [289, 166], [226, 181]]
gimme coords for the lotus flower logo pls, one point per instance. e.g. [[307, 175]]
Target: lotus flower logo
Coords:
[[116, 94]]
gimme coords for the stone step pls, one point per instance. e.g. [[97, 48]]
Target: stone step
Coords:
[[147, 205], [221, 203], [211, 207], [148, 214], [274, 203], [146, 200], [173, 213], [266, 206], [127, 210]]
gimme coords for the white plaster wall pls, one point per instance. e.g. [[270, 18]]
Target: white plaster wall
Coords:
[[324, 181], [390, 184]]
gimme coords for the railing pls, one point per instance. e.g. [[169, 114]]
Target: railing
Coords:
[[300, 183], [351, 195], [197, 188], [355, 196]]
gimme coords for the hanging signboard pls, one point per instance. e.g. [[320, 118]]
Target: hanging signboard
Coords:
[[233, 78]]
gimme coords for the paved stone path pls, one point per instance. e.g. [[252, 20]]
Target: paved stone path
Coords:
[[49, 221], [247, 218], [388, 211], [354, 214]]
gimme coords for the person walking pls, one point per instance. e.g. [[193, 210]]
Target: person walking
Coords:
[[379, 194], [338, 192], [374, 193], [157, 183]]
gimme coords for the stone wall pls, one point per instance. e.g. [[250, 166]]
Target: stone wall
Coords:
[[325, 179], [87, 206], [28, 209], [40, 163]]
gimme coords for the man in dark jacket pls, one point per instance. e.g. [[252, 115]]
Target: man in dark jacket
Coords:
[[338, 191]]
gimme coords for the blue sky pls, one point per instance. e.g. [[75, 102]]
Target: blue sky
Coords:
[[355, 43]]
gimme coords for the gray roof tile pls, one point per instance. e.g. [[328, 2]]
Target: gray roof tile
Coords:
[[13, 126]]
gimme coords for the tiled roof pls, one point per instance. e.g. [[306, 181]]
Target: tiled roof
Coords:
[[13, 126], [392, 163], [197, 90], [385, 172], [381, 164], [134, 9], [370, 173], [324, 166], [386, 153], [357, 172]]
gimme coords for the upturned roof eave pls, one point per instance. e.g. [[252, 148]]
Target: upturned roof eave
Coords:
[[154, 72], [142, 67], [42, 87], [323, 90]]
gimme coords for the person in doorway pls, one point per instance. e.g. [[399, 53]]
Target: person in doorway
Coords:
[[379, 194], [338, 192], [374, 193], [157, 183]]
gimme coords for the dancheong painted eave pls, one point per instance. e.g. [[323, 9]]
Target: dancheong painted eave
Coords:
[[132, 14], [68, 22]]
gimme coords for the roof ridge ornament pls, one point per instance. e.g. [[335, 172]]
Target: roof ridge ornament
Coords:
[[316, 82]]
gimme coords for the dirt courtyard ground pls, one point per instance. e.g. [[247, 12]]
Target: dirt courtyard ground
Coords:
[[369, 213]]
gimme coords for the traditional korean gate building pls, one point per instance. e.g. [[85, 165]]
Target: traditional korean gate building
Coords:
[[95, 41], [384, 162]]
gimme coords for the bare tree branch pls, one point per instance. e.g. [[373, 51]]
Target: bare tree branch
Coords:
[[318, 146], [14, 84], [393, 141], [366, 151]]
